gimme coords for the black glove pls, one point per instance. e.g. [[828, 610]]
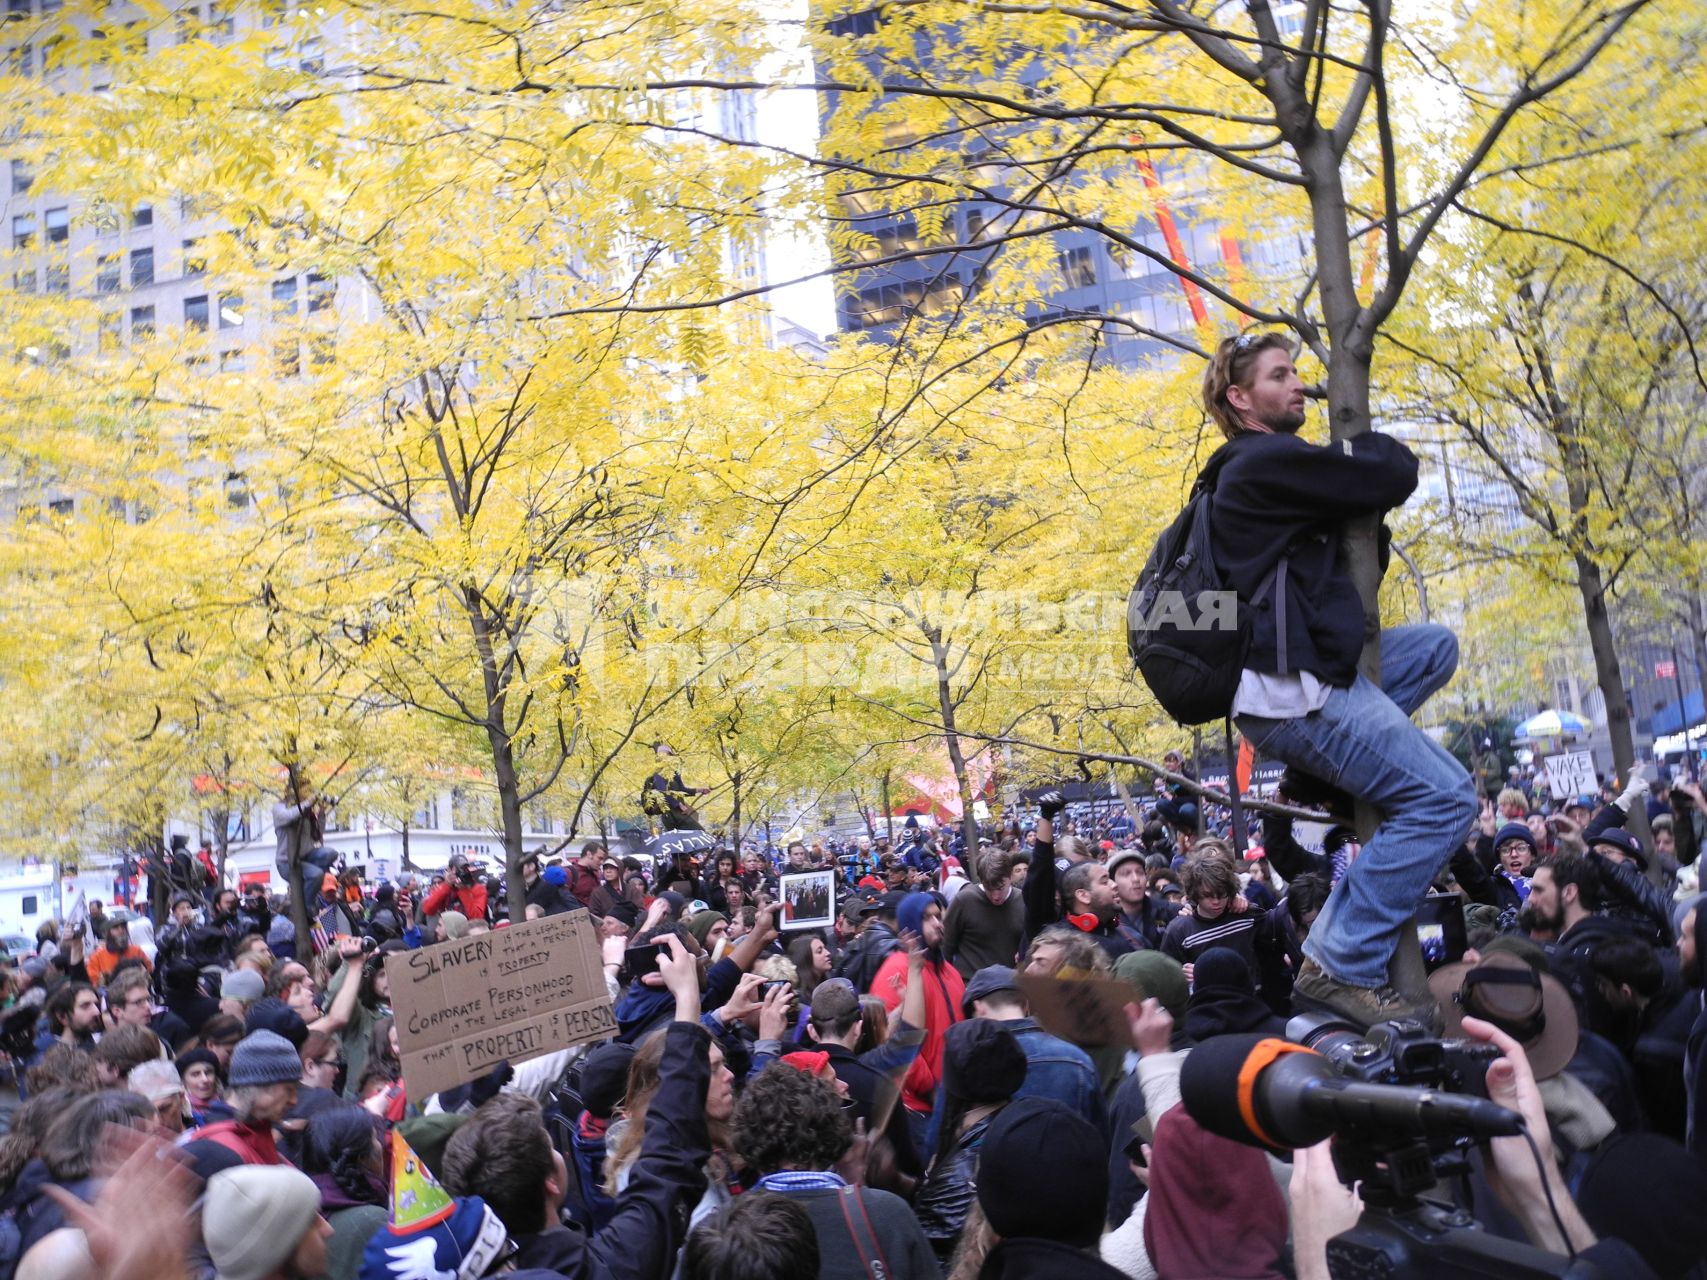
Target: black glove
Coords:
[[1050, 804]]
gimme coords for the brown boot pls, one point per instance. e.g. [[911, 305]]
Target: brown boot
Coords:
[[1315, 990]]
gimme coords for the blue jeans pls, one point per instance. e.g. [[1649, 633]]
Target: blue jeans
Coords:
[[1363, 741]]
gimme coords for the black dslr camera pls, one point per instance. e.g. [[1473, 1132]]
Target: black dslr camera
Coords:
[[1398, 1052]]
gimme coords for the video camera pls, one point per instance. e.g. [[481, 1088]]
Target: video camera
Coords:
[[465, 876], [1404, 1108]]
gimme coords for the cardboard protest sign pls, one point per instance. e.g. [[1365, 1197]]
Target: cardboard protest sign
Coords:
[[1572, 775], [1089, 1011], [512, 994]]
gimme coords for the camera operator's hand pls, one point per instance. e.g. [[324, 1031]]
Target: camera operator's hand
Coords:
[[1152, 1027], [773, 1013], [681, 977], [1512, 1172], [1322, 1207], [748, 998]]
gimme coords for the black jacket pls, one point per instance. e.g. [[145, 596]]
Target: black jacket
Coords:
[[553, 899], [1274, 492], [946, 1196], [650, 1223], [859, 963]]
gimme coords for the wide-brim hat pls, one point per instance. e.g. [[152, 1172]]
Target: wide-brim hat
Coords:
[[1533, 1008]]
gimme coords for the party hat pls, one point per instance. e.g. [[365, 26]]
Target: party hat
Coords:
[[417, 1199]]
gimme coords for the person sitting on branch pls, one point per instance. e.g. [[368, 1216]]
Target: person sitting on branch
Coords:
[[1279, 506]]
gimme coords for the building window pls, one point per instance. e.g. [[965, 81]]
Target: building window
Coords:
[[57, 278], [142, 216], [221, 23], [64, 508], [17, 11], [319, 293], [22, 177], [109, 273], [855, 24], [284, 298], [27, 904], [313, 59], [112, 331], [141, 268], [195, 312], [232, 361], [287, 358], [23, 281], [23, 230], [21, 61], [231, 311], [57, 223], [236, 490], [1078, 267], [195, 261], [141, 324]]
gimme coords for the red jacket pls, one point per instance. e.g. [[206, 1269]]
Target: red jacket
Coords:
[[253, 1143], [944, 989], [449, 897]]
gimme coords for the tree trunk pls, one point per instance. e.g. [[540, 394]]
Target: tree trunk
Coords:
[[735, 811], [888, 816], [510, 816], [1610, 677], [945, 704]]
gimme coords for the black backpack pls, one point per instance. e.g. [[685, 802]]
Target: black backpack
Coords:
[[1187, 630]]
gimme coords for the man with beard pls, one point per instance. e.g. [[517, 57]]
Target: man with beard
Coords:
[[72, 1016], [1279, 506], [1088, 904], [921, 914]]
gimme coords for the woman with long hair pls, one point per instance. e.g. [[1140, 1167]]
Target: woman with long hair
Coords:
[[983, 1066], [811, 964], [342, 1153], [624, 1138]]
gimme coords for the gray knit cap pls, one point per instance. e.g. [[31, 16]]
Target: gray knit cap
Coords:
[[264, 1057]]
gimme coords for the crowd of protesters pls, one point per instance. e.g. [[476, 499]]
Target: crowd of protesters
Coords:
[[879, 1098]]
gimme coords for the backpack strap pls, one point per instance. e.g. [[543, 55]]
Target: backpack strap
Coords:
[[863, 1235]]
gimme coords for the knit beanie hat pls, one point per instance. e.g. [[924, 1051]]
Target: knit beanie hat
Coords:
[[453, 924], [1515, 831], [272, 1014], [242, 984], [555, 876], [464, 1245], [701, 923], [910, 912], [264, 1057], [604, 1078], [254, 1216], [982, 1062], [1043, 1174], [201, 1057], [1155, 974]]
